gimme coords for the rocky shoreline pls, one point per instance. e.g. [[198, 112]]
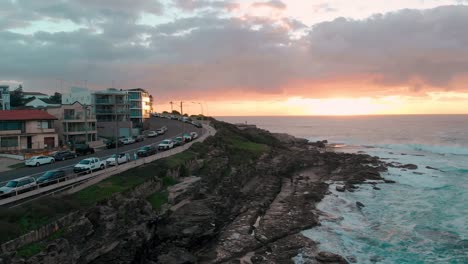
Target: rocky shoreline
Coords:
[[251, 195]]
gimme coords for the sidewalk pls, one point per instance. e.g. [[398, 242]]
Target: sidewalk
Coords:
[[5, 162]]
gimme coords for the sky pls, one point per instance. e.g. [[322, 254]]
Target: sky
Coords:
[[246, 57]]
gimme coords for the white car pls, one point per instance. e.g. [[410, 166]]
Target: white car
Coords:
[[121, 158], [39, 160], [166, 144], [160, 131], [89, 165], [164, 128], [18, 186], [128, 140], [152, 134], [194, 135]]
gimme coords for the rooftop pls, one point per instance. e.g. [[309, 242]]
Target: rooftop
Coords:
[[10, 115], [34, 93]]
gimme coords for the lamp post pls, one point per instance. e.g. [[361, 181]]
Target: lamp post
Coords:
[[201, 106]]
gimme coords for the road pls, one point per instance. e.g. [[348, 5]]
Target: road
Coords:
[[175, 128]]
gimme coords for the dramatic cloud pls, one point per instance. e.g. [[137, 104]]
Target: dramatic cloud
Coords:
[[276, 4], [191, 5], [214, 56]]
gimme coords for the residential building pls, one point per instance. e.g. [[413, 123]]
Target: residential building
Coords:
[[27, 95], [78, 94], [27, 129], [141, 105], [76, 123], [112, 113], [4, 97], [40, 103]]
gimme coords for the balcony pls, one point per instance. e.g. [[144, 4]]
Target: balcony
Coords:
[[10, 132], [104, 101]]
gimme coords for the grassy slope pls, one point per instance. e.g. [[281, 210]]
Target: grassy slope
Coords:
[[239, 146]]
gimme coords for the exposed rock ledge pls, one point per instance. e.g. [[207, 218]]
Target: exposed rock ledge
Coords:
[[252, 212]]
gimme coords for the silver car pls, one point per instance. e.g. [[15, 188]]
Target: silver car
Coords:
[[17, 186]]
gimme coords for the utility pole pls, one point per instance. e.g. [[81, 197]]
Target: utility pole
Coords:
[[116, 125], [85, 107], [181, 108], [172, 109]]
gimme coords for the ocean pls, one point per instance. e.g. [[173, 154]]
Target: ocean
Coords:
[[423, 217]]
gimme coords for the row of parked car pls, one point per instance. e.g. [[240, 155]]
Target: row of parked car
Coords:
[[140, 138], [85, 166]]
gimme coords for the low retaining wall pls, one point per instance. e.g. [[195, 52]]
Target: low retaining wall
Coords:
[[39, 234]]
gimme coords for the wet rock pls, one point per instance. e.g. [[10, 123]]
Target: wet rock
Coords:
[[360, 205], [328, 257], [376, 188], [409, 166], [417, 173], [432, 168], [389, 181], [340, 188]]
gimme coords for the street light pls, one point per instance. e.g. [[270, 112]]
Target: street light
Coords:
[[201, 106]]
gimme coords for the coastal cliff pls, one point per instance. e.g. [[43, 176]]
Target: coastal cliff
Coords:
[[243, 196]]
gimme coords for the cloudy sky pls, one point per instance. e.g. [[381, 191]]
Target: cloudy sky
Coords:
[[247, 57]]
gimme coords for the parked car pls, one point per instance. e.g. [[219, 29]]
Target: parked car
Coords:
[[161, 131], [128, 140], [197, 124], [89, 165], [121, 158], [147, 151], [138, 138], [166, 144], [20, 185], [39, 160], [51, 177], [83, 149], [152, 134], [187, 137], [164, 128], [178, 141], [64, 155], [111, 143], [194, 135]]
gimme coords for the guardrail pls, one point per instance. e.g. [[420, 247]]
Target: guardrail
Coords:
[[73, 180]]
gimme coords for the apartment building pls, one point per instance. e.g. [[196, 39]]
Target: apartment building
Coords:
[[27, 129], [4, 97], [141, 105], [76, 123], [112, 111]]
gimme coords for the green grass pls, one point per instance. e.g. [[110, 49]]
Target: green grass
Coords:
[[105, 189], [17, 166], [179, 159], [158, 199], [168, 181], [30, 250]]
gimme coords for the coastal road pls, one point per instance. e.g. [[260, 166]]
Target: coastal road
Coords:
[[175, 128]]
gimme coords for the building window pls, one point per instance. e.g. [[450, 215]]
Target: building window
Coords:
[[44, 124], [7, 142], [11, 125]]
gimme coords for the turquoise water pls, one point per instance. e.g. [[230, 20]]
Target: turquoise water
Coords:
[[422, 218]]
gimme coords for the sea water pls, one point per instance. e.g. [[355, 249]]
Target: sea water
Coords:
[[423, 217]]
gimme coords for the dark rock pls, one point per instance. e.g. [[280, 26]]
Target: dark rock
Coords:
[[432, 168], [389, 181], [340, 188], [409, 166], [360, 205], [376, 188], [417, 173], [328, 257]]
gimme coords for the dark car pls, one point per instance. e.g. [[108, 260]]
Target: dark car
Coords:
[[178, 141], [146, 151], [64, 155], [197, 124], [139, 138], [111, 144], [51, 177], [83, 149]]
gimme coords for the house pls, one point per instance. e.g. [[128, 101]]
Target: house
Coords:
[[27, 95], [78, 94], [40, 103], [27, 129], [76, 123]]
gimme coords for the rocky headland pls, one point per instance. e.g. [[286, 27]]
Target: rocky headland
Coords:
[[244, 197]]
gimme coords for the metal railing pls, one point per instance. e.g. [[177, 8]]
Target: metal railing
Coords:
[[71, 180]]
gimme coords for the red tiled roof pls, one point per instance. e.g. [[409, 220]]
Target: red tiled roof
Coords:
[[25, 115]]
